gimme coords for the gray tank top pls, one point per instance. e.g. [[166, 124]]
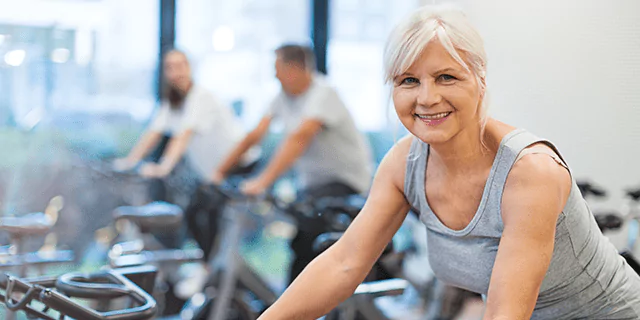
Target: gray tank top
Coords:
[[586, 279]]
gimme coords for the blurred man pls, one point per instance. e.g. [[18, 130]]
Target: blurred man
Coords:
[[329, 154], [204, 131], [200, 127]]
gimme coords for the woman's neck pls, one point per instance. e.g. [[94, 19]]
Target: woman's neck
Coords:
[[465, 151]]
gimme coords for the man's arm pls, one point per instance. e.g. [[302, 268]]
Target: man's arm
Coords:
[[146, 143], [293, 147], [251, 139]]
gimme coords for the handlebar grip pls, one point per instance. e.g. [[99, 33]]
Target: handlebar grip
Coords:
[[228, 192], [327, 239], [233, 193]]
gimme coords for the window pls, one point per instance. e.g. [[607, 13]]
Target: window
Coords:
[[358, 32], [231, 43], [77, 78], [75, 56]]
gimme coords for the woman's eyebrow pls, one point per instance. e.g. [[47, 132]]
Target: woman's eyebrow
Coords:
[[444, 70]]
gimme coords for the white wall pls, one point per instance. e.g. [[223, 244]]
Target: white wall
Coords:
[[569, 71]]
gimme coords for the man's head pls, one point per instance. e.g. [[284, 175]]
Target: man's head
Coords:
[[177, 74], [295, 65], [177, 70]]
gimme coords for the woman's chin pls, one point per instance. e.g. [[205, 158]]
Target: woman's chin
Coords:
[[432, 137]]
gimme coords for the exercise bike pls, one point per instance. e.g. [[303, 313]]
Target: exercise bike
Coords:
[[613, 221], [51, 298], [361, 305], [235, 291], [16, 259], [142, 231]]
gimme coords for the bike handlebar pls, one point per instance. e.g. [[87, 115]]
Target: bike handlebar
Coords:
[[90, 286], [106, 169], [106, 285], [312, 214]]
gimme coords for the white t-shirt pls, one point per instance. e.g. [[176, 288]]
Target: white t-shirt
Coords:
[[216, 130], [338, 153]]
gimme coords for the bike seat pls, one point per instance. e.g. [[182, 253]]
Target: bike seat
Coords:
[[29, 224], [157, 214], [325, 240], [588, 189], [608, 221], [351, 205], [634, 194]]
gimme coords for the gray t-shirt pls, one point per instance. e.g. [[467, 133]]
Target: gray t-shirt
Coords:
[[339, 153]]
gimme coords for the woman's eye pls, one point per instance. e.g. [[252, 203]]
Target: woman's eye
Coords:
[[446, 78], [409, 81]]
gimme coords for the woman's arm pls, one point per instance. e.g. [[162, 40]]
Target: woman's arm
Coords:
[[334, 275], [534, 196]]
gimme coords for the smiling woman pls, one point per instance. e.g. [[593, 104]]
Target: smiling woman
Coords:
[[427, 83], [504, 216], [451, 68]]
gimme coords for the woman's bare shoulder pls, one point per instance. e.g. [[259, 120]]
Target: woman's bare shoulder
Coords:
[[495, 131], [394, 163], [400, 150]]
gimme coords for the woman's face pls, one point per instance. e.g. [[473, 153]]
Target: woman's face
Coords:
[[437, 98], [177, 70]]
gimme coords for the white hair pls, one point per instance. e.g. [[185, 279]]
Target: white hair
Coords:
[[445, 23]]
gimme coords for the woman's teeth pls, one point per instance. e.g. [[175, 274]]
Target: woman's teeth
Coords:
[[433, 116]]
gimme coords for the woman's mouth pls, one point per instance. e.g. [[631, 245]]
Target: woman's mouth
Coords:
[[434, 119]]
